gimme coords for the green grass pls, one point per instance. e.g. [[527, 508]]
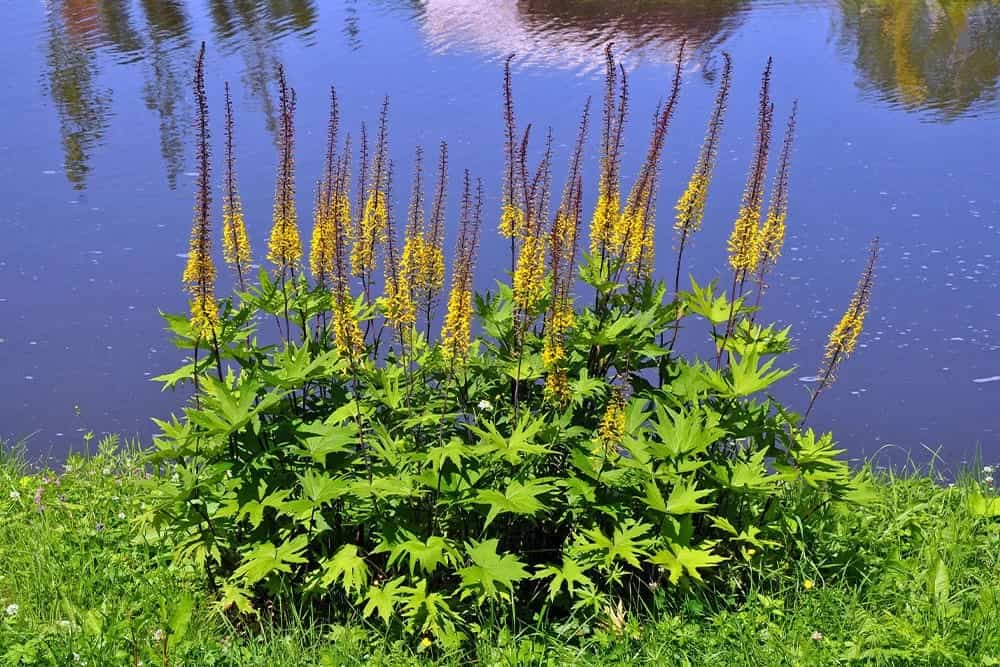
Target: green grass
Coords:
[[909, 579]]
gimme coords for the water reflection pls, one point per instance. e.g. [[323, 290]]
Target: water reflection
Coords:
[[155, 35], [569, 33], [82, 106], [936, 55]]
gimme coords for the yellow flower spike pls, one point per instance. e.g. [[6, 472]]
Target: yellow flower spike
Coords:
[[511, 221], [772, 236], [607, 217], [744, 243], [456, 332], [430, 258], [844, 337], [285, 246], [199, 270], [529, 274], [372, 230], [633, 237], [235, 243], [511, 214], [608, 209], [612, 427]]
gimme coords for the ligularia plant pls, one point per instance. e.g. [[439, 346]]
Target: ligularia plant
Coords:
[[544, 453]]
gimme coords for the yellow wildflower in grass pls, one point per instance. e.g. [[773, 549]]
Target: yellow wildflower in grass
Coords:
[[808, 584], [456, 331], [529, 275], [199, 270], [285, 246], [235, 243]]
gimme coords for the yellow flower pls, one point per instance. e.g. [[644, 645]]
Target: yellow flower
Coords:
[[808, 584], [530, 273], [425, 643], [456, 332], [235, 244], [347, 336], [199, 270], [511, 221], [284, 245], [457, 329], [321, 248], [612, 426], [744, 245], [372, 232], [691, 205], [607, 217]]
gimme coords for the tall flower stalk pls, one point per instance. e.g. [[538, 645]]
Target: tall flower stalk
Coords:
[[456, 332], [347, 335], [199, 271], [512, 214], [285, 246], [633, 234], [321, 248], [562, 260], [691, 205], [608, 208], [744, 241], [235, 243], [772, 233], [844, 337], [372, 230], [430, 279]]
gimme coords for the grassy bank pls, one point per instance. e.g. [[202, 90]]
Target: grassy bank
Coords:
[[908, 579]]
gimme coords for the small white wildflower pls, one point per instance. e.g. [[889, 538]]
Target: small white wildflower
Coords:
[[988, 470], [158, 635], [11, 609], [114, 499], [816, 636], [106, 472], [142, 506], [121, 515], [76, 657], [988, 479], [485, 405], [68, 468], [15, 495]]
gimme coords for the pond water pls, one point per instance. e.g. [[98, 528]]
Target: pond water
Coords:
[[898, 136]]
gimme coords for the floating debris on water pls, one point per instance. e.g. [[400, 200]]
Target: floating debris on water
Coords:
[[992, 378], [809, 378]]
